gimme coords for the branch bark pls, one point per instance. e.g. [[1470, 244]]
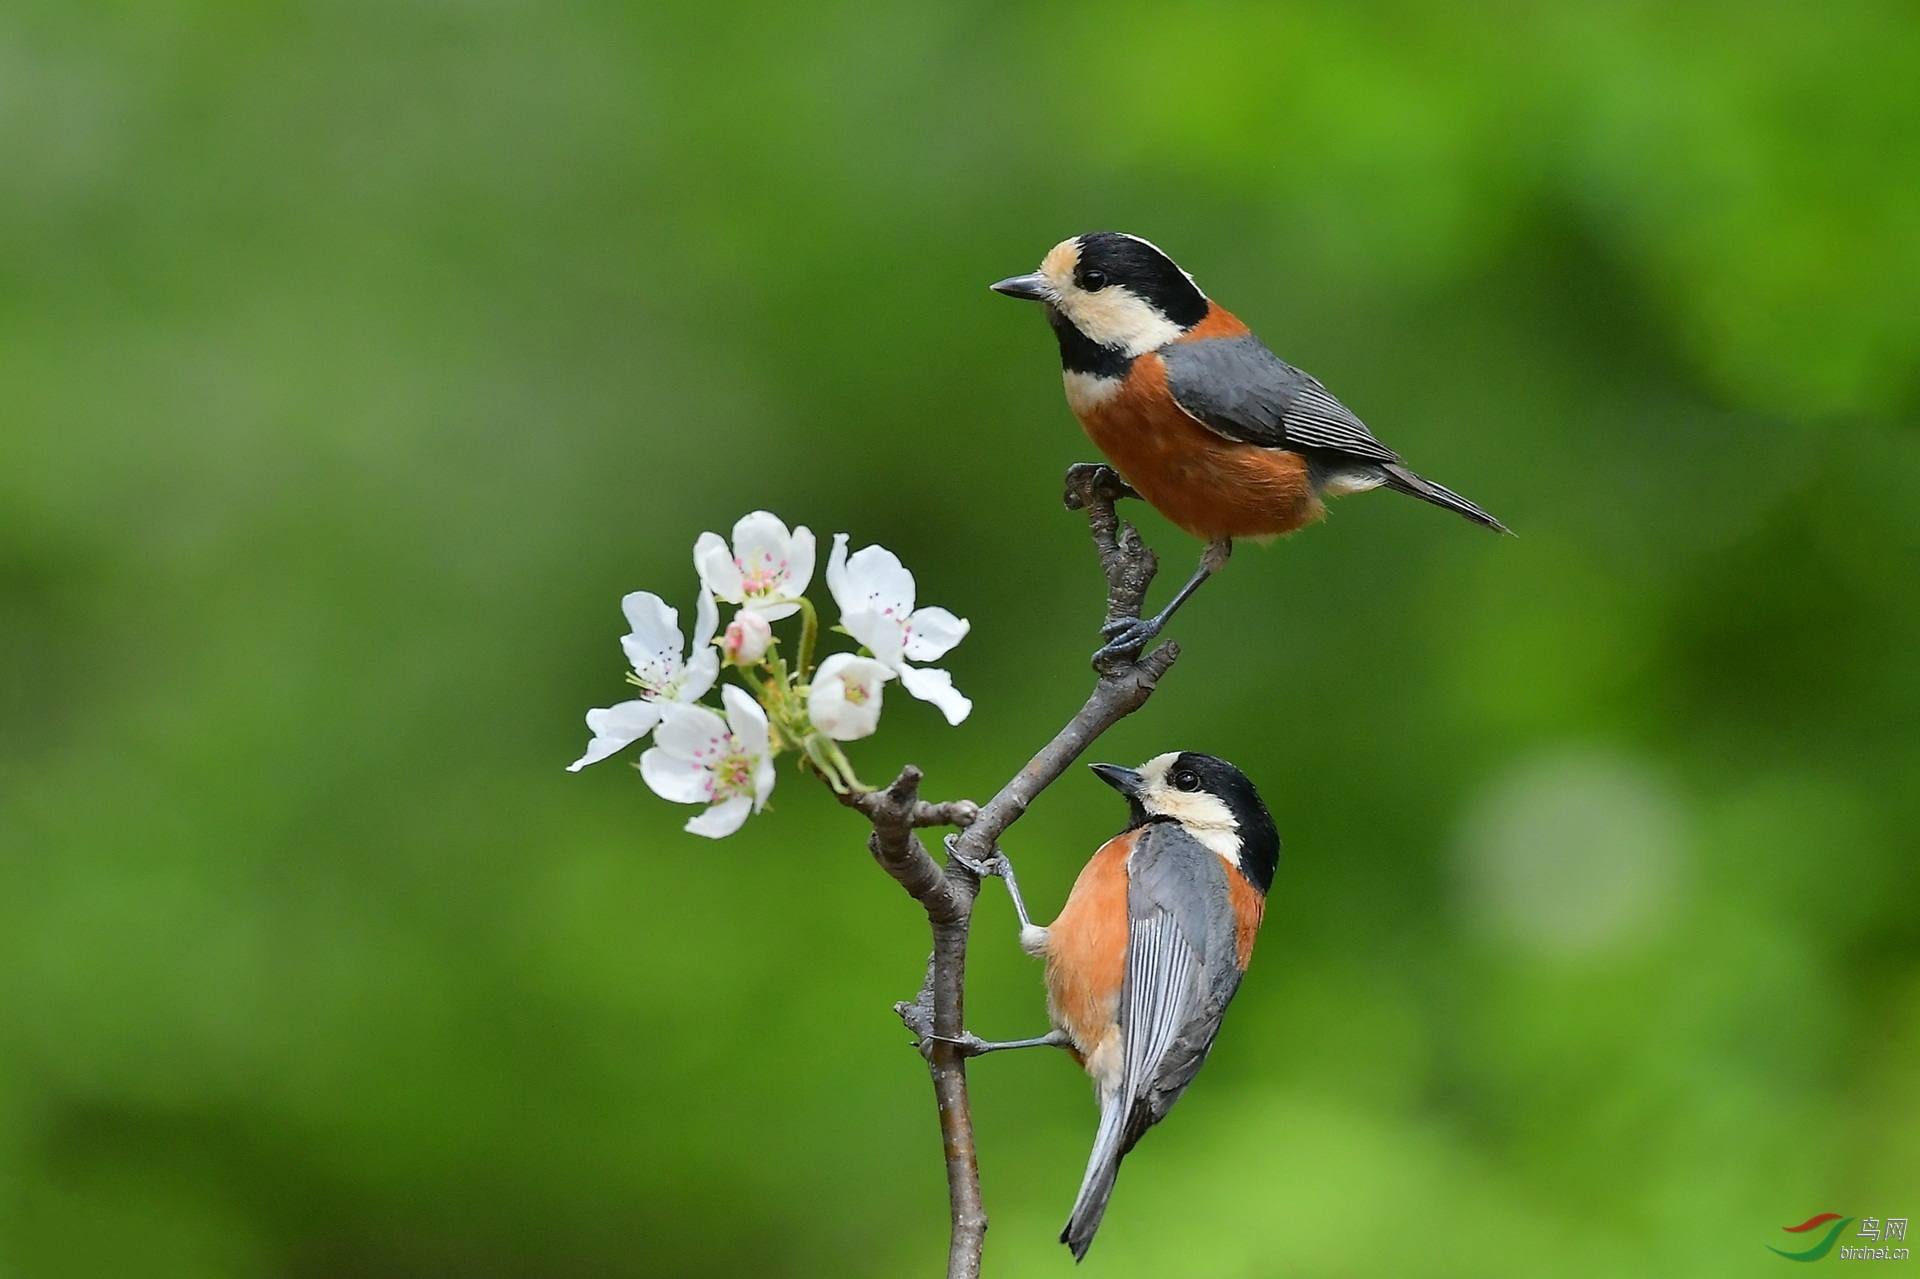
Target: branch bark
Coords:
[[947, 892]]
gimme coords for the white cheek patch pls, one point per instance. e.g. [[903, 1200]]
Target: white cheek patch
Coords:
[[1205, 817], [1115, 317], [1195, 809], [1088, 391]]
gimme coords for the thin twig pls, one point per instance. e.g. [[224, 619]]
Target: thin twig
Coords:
[[937, 1015]]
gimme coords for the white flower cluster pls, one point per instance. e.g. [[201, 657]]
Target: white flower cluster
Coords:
[[699, 757]]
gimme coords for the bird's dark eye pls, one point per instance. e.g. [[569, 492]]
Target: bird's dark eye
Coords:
[[1187, 779], [1093, 281]]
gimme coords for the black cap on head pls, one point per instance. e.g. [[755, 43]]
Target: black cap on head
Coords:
[[1259, 837], [1111, 257]]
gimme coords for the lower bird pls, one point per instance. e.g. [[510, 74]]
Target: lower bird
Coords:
[[1221, 435], [1150, 948]]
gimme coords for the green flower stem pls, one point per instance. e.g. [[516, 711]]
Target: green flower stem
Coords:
[[821, 753], [845, 766], [782, 699], [785, 704], [809, 635]]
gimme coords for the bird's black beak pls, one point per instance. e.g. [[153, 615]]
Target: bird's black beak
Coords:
[[1029, 288], [1124, 780]]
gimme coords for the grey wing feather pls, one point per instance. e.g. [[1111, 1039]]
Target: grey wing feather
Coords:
[[1163, 994], [1239, 388], [1180, 971]]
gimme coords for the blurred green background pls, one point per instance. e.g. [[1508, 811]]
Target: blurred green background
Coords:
[[356, 357]]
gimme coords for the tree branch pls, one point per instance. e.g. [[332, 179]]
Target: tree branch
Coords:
[[947, 892]]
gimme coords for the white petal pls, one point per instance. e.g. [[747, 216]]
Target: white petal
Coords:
[[762, 781], [931, 684], [851, 665], [773, 612], [679, 780], [800, 562], [632, 720], [876, 579], [934, 631], [722, 819], [883, 635], [746, 719], [706, 620], [761, 541], [656, 629], [830, 706], [839, 718], [614, 728], [657, 666], [686, 729], [837, 573], [702, 669], [714, 562]]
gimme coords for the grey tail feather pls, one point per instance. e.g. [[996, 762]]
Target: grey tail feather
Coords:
[[1401, 480], [1102, 1167]]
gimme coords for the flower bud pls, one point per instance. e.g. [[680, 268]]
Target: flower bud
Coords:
[[747, 638]]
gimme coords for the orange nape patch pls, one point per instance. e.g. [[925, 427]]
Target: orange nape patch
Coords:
[[1209, 485], [1220, 323], [1087, 949], [1249, 908]]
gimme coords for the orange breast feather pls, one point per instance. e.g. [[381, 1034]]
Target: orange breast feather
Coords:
[[1087, 949], [1248, 908], [1211, 486]]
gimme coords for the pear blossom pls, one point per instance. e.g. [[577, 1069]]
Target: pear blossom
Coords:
[[875, 593], [699, 758], [665, 673], [844, 700], [747, 638], [660, 667], [767, 568]]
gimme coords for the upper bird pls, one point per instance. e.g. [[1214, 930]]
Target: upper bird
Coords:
[[1221, 435]]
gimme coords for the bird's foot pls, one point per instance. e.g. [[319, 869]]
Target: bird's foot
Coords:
[[971, 1045], [1126, 636], [1088, 481], [1033, 939], [994, 865]]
